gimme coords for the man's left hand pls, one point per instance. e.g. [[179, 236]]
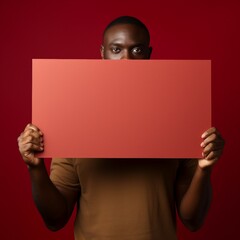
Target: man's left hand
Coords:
[[212, 145]]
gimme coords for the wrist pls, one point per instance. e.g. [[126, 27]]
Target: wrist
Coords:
[[39, 166], [204, 170]]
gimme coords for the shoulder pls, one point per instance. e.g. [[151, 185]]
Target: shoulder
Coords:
[[63, 173], [188, 163], [76, 165], [186, 170], [67, 161]]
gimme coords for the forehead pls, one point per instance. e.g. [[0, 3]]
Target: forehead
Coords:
[[126, 33]]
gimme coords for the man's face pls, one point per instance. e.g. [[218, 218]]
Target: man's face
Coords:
[[125, 41]]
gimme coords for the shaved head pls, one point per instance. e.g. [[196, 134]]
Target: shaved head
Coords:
[[126, 38], [128, 20]]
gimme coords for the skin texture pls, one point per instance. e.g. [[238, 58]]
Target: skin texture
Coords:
[[125, 41], [56, 204]]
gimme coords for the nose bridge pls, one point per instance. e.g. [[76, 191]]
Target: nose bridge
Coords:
[[126, 54]]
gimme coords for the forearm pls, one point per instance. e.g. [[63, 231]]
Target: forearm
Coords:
[[196, 201], [49, 201]]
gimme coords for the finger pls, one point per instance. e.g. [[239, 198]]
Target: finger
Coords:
[[209, 132], [30, 130], [30, 158], [214, 155], [32, 139], [31, 147], [33, 128], [34, 134], [212, 138], [213, 147]]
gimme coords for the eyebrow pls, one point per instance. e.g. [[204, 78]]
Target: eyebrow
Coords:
[[120, 44]]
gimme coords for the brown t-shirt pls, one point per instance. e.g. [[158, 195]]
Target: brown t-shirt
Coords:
[[123, 199]]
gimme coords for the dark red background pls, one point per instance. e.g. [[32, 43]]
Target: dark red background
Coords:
[[72, 29]]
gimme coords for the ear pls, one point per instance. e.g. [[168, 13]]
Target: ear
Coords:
[[102, 51], [149, 52]]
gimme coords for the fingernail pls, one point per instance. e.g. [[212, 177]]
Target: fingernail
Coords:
[[202, 144]]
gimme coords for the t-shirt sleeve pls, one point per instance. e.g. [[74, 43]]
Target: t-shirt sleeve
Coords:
[[63, 174]]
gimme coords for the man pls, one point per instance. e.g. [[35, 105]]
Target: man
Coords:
[[122, 198]]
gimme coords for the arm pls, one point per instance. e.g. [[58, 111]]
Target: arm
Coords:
[[54, 204], [194, 197]]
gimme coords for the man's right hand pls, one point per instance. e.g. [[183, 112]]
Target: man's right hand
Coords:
[[29, 142]]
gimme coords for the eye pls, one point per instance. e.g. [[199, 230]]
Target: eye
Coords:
[[116, 50], [137, 50]]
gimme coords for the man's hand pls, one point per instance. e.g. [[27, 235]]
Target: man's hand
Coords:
[[212, 145], [29, 142]]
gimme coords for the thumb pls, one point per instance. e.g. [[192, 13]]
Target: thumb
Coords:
[[31, 160]]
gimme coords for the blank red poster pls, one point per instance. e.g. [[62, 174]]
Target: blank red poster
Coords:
[[122, 109]]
